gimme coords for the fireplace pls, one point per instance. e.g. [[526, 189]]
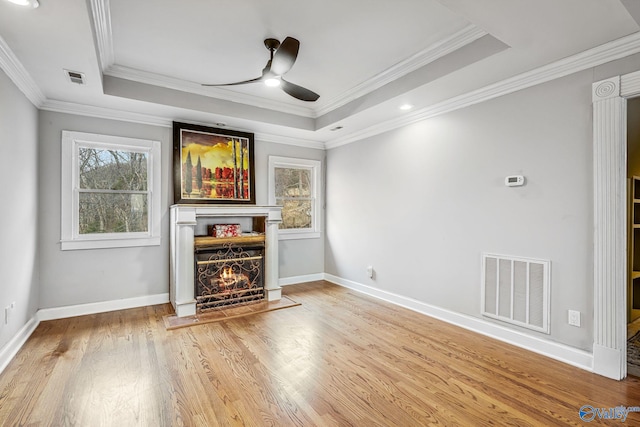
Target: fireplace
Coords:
[[210, 272], [228, 271]]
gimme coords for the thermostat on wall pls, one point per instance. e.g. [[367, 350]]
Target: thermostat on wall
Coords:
[[514, 181]]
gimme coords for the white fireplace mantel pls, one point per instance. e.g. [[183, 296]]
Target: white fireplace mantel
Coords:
[[184, 219]]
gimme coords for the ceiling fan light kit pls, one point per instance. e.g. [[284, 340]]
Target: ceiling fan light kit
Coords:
[[30, 3], [282, 57]]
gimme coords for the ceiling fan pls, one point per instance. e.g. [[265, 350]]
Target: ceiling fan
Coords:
[[283, 56]]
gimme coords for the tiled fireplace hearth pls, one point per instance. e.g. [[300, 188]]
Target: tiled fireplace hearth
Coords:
[[210, 273]]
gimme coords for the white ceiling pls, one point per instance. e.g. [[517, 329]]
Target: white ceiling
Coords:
[[145, 60]]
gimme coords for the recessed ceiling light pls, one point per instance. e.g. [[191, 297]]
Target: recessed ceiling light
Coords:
[[30, 3], [406, 107]]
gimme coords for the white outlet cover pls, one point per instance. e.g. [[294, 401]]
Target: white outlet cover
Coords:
[[574, 318]]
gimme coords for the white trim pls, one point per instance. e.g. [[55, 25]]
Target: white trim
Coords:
[[102, 25], [101, 307], [105, 113], [611, 51], [287, 140], [314, 232], [10, 349], [456, 41], [101, 14], [610, 223], [292, 280], [70, 238], [148, 119], [561, 352], [14, 69]]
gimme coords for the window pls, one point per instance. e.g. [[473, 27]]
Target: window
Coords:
[[110, 191], [294, 184]]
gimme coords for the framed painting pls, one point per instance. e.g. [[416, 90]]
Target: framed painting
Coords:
[[212, 165]]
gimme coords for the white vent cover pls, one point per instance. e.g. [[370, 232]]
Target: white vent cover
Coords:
[[75, 77], [516, 290]]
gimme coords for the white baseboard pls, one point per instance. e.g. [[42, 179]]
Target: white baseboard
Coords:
[[9, 351], [557, 351], [284, 281], [561, 352], [100, 307]]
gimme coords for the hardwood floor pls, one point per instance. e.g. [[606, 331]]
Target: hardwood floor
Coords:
[[339, 359]]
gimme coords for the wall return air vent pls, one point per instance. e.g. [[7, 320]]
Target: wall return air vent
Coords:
[[516, 290]]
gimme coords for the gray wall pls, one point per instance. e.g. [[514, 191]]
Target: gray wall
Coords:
[[297, 257], [86, 276], [422, 203], [19, 279]]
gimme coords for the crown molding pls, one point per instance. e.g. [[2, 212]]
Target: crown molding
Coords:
[[101, 17], [104, 113], [437, 50], [602, 54], [14, 69], [163, 121], [287, 140], [461, 38], [100, 14]]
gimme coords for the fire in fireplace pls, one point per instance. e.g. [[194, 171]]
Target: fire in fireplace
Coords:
[[228, 272]]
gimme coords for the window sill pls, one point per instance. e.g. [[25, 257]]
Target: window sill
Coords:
[[71, 245], [299, 235]]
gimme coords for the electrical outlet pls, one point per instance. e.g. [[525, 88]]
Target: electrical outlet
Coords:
[[7, 311], [370, 271], [574, 318]]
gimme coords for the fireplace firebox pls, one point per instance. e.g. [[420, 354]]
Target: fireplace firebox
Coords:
[[228, 271]]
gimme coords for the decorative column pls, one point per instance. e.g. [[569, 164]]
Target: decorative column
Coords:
[[272, 275], [610, 229], [183, 223]]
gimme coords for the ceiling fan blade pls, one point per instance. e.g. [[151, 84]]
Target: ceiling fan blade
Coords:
[[285, 56], [266, 72], [257, 79], [298, 92]]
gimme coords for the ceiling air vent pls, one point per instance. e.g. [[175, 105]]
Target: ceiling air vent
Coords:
[[75, 77]]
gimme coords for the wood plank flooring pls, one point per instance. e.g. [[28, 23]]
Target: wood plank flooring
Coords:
[[339, 359]]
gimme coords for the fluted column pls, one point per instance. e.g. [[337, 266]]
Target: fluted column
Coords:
[[272, 275], [182, 293], [610, 229]]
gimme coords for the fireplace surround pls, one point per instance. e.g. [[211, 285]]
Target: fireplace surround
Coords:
[[190, 245]]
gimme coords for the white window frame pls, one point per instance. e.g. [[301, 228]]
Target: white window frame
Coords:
[[71, 239], [316, 194]]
